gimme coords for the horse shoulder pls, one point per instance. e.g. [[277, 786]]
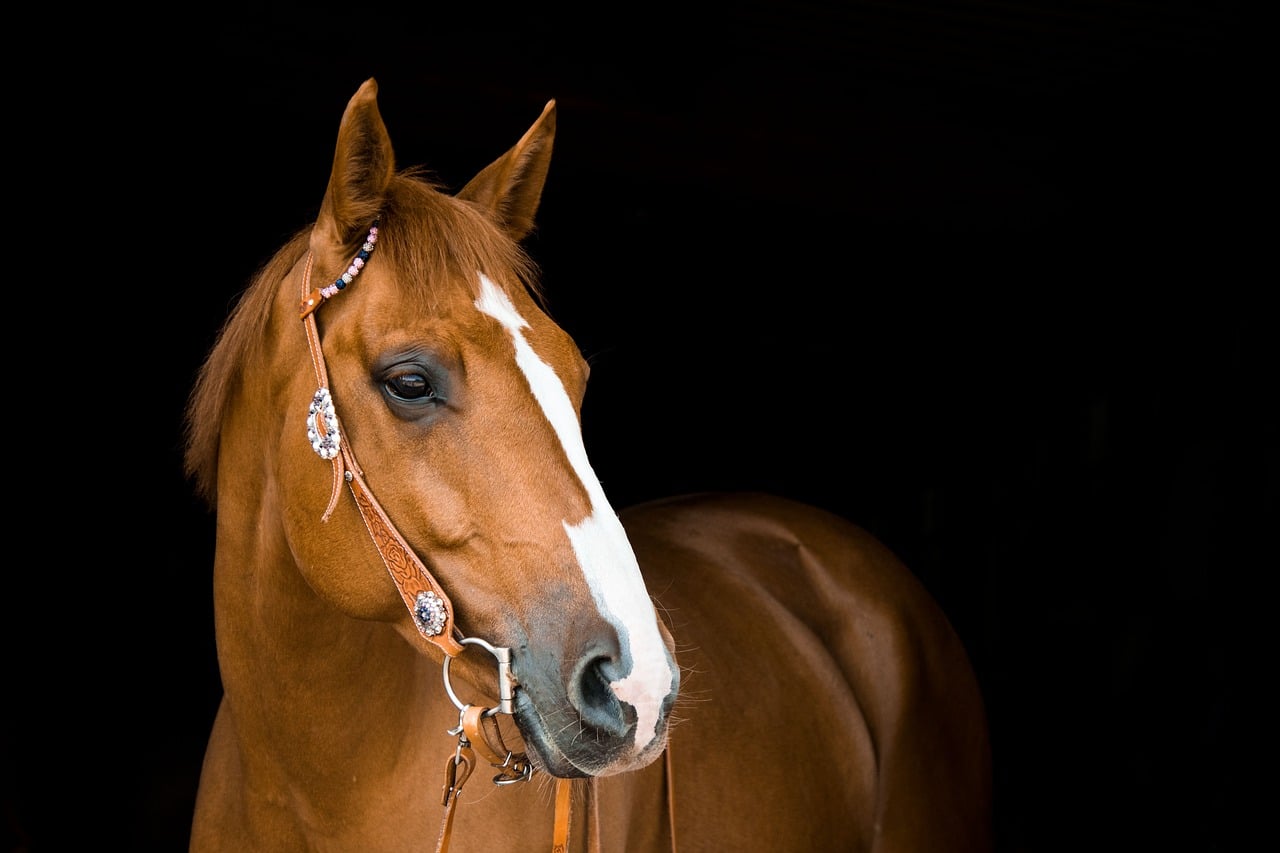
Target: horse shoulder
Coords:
[[816, 663]]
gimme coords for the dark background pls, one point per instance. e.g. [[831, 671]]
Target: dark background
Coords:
[[982, 277]]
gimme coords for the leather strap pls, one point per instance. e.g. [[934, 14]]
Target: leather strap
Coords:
[[406, 569], [310, 302], [456, 773], [482, 732], [671, 795], [560, 836]]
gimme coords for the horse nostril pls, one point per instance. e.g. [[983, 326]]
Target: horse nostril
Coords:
[[595, 700]]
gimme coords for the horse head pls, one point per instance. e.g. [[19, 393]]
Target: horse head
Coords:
[[457, 400]]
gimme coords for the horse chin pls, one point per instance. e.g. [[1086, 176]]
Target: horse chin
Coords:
[[548, 756]]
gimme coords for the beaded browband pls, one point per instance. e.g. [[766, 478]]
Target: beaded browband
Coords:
[[313, 299]]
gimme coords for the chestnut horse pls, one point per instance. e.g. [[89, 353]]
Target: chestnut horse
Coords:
[[418, 576]]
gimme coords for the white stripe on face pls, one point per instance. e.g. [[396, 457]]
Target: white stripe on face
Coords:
[[599, 541]]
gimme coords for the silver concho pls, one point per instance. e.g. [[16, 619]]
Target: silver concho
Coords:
[[429, 613], [322, 425]]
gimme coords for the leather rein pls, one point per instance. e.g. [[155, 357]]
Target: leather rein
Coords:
[[428, 603]]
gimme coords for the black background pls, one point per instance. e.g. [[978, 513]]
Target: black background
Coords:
[[982, 277]]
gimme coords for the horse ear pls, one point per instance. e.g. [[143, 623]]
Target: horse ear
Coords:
[[510, 188], [363, 165]]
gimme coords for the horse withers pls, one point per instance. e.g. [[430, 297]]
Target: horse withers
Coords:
[[418, 577]]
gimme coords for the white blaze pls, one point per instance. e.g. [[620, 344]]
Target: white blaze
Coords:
[[599, 541]]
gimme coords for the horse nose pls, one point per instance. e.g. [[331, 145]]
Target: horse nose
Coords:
[[591, 692]]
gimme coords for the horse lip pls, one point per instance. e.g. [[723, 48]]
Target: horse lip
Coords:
[[548, 756], [542, 747]]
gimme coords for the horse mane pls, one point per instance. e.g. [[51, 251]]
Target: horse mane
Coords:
[[449, 240]]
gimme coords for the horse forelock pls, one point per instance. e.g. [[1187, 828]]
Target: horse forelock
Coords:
[[431, 237]]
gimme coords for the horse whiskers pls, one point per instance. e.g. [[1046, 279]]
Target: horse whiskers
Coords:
[[576, 721]]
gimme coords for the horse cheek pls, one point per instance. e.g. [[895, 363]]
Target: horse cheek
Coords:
[[335, 557]]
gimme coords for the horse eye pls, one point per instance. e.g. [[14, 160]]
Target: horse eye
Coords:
[[410, 386]]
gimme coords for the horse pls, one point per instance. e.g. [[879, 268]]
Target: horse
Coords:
[[418, 577]]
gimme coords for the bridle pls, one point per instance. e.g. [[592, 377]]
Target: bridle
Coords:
[[428, 604]]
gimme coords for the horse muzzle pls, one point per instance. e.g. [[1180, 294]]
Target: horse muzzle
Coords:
[[582, 726]]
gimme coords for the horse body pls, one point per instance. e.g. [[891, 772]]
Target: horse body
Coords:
[[821, 700]]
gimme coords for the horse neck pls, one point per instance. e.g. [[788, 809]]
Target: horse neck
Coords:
[[304, 680]]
